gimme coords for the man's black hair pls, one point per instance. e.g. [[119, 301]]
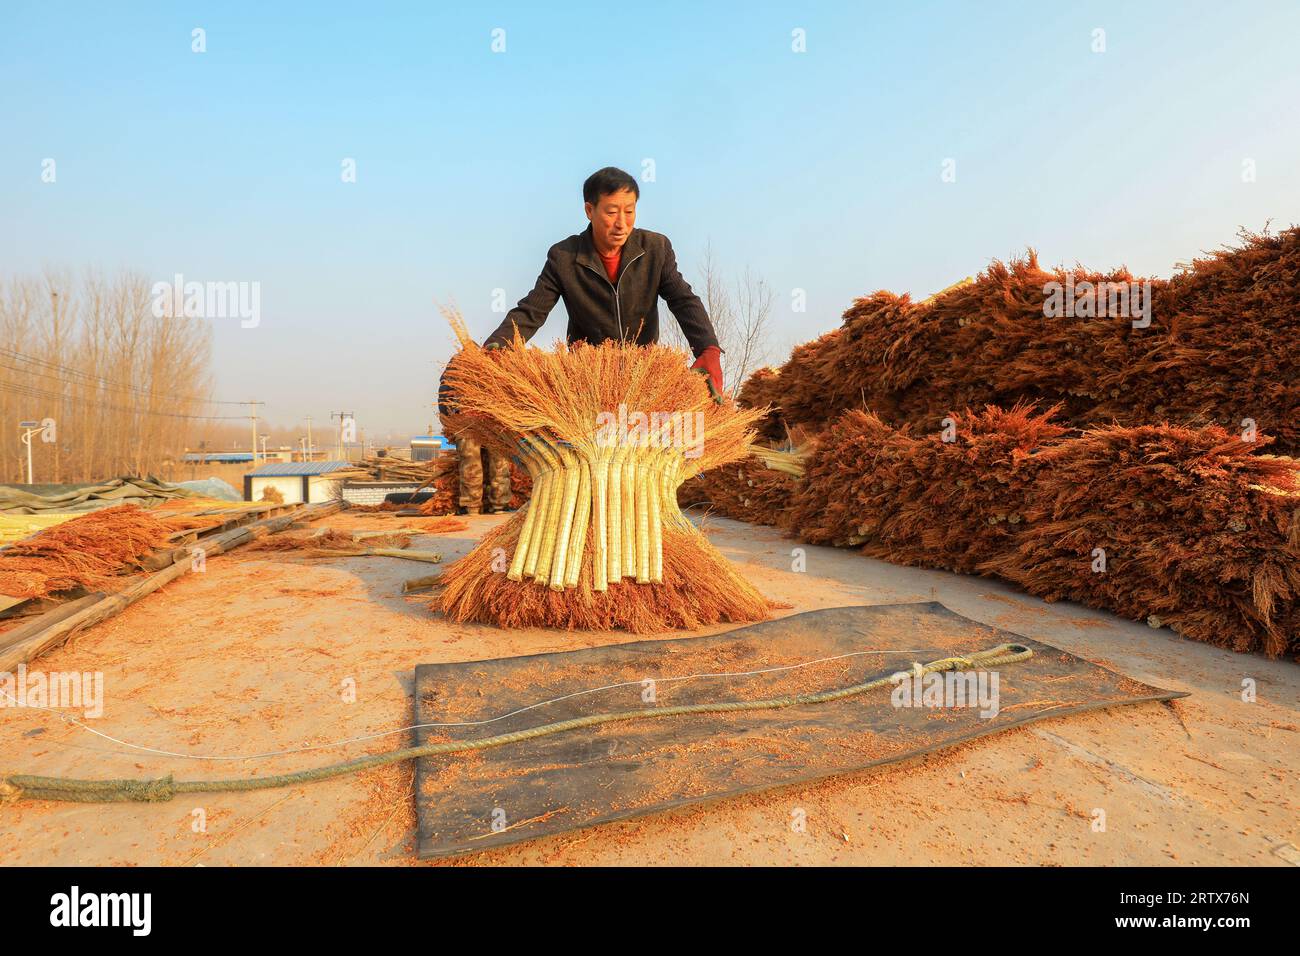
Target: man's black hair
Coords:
[[608, 180]]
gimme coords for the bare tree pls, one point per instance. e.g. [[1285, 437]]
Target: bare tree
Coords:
[[750, 346], [740, 321], [121, 390]]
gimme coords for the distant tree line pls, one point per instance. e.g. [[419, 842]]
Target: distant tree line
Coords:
[[113, 388]]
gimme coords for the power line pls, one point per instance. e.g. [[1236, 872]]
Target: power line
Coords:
[[89, 377], [84, 378], [24, 371], [31, 391]]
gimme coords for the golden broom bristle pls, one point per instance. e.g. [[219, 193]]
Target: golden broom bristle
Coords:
[[607, 432]]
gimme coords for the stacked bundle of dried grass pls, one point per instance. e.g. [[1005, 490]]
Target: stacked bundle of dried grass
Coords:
[[445, 486], [607, 433], [986, 342], [947, 500], [91, 551], [1218, 349], [746, 490], [1191, 527], [1230, 353]]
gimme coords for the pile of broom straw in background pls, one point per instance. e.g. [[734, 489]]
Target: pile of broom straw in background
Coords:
[[1127, 462], [1214, 345], [747, 490], [1195, 528], [607, 433], [93, 551]]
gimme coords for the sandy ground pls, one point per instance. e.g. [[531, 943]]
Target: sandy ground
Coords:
[[265, 653]]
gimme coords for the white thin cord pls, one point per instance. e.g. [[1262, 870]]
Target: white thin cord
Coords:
[[467, 723]]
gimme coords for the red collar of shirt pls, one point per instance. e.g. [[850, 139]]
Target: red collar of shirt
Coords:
[[611, 262]]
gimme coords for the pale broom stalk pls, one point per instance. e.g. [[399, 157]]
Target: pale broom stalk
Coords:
[[642, 518], [628, 505], [615, 494], [654, 494], [602, 537], [543, 497], [671, 482], [530, 460], [581, 518], [561, 525]]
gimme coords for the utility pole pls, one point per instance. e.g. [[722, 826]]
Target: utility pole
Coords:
[[342, 417], [309, 452], [253, 419], [58, 470]]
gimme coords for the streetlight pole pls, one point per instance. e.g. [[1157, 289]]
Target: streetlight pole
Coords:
[[30, 429]]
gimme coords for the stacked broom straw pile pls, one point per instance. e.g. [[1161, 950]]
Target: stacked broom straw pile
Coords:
[[1190, 527], [1123, 492], [607, 434], [1216, 346], [750, 490], [95, 550]]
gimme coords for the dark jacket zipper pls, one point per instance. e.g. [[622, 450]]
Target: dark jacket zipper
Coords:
[[618, 308]]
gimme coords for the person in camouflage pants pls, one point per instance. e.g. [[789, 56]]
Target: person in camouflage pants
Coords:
[[471, 501]]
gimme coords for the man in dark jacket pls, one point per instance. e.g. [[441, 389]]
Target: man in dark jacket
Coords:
[[611, 277]]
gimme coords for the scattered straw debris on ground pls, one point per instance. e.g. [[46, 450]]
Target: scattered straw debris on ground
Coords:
[[329, 539]]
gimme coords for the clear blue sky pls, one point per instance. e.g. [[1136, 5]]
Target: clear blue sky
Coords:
[[819, 170]]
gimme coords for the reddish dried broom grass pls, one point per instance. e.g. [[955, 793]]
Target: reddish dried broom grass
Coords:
[[745, 490], [1198, 531], [922, 500], [440, 525], [1220, 348], [1190, 527], [91, 551]]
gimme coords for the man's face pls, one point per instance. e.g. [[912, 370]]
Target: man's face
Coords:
[[612, 218]]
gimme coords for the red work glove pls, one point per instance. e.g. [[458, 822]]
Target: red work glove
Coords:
[[710, 363]]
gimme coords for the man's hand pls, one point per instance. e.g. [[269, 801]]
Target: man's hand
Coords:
[[710, 364]]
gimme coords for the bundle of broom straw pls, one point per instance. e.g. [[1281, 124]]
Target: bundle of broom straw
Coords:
[[607, 434]]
